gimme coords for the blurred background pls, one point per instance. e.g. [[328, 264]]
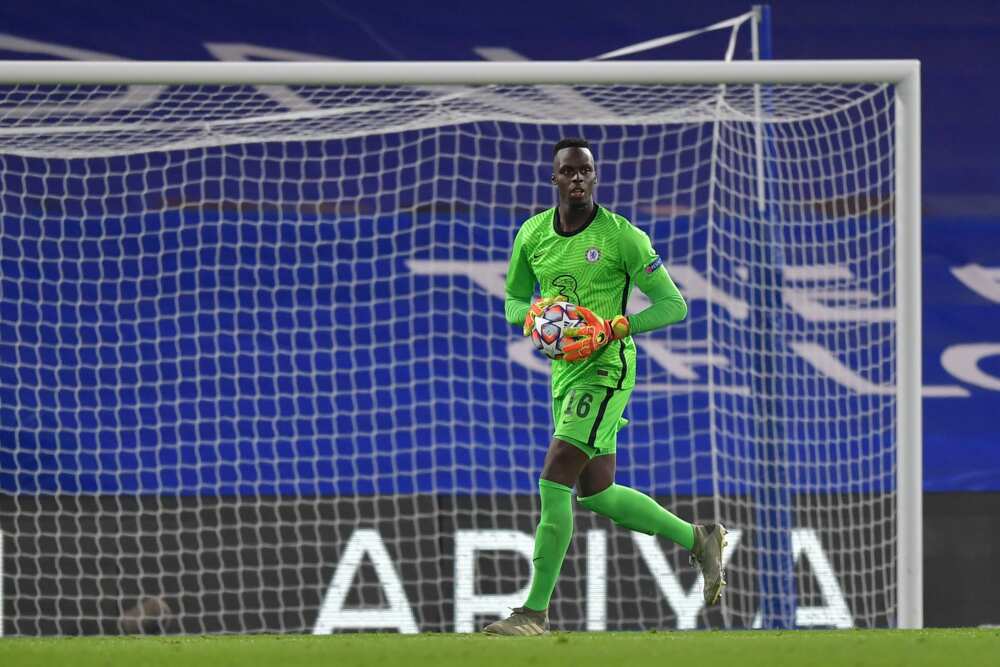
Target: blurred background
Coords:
[[958, 44]]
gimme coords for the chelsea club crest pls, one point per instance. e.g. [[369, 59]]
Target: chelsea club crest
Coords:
[[593, 255]]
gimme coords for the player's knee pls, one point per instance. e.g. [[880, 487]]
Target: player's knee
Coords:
[[546, 528]]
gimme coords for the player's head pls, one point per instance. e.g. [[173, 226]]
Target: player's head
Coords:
[[574, 172]]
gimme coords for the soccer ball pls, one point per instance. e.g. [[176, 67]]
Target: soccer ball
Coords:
[[547, 334]]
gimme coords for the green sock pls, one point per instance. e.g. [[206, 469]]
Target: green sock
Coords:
[[551, 541], [637, 511]]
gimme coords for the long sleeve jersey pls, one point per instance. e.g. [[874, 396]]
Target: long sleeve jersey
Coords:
[[595, 266]]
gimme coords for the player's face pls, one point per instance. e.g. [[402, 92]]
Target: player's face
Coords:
[[573, 172]]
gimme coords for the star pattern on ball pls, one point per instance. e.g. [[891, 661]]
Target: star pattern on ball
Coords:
[[547, 334]]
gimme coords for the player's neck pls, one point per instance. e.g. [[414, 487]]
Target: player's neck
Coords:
[[573, 218]]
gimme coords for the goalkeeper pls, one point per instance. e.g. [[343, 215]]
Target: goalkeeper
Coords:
[[583, 253]]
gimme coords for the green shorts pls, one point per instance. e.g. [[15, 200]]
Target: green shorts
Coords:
[[589, 417]]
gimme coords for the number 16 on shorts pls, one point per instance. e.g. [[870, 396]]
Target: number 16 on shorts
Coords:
[[590, 416], [578, 404]]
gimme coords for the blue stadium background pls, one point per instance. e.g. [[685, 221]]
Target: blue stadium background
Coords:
[[958, 43]]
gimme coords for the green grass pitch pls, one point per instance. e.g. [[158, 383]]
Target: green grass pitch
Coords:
[[959, 647]]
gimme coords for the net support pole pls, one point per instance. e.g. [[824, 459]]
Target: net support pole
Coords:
[[909, 464], [772, 499], [762, 50]]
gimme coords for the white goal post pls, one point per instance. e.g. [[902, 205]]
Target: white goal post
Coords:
[[39, 144]]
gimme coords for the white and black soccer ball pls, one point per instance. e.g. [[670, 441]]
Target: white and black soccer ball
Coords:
[[547, 334]]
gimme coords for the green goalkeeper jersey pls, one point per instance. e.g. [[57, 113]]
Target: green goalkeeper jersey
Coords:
[[595, 266]]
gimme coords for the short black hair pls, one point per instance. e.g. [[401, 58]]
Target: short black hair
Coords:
[[570, 142]]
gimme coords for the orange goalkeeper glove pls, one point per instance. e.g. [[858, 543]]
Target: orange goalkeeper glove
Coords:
[[595, 334], [537, 308]]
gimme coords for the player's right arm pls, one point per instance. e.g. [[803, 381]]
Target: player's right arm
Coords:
[[520, 281], [521, 287]]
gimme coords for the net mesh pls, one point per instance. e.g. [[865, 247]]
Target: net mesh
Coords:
[[254, 373]]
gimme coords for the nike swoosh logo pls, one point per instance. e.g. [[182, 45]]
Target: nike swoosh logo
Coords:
[[535, 560]]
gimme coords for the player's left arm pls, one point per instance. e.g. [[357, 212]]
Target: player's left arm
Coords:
[[647, 272]]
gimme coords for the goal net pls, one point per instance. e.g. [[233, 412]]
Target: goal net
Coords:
[[255, 375]]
